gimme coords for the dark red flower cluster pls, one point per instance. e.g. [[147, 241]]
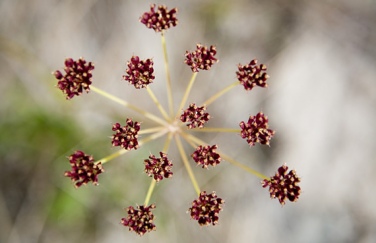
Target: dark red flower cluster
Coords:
[[195, 116], [159, 168], [126, 136], [140, 220], [206, 155], [256, 130], [283, 185], [84, 169], [140, 73], [76, 79], [160, 19], [202, 58], [206, 208], [251, 75]]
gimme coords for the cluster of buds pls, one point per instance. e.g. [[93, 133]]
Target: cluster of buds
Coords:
[[202, 58], [283, 185], [195, 116], [140, 220], [206, 155], [251, 75], [76, 79], [126, 136], [83, 169], [206, 208], [140, 73], [256, 130], [160, 19], [159, 168]]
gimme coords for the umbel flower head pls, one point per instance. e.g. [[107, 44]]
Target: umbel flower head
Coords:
[[195, 116], [140, 73], [140, 220], [256, 130], [202, 58], [251, 75], [206, 208], [84, 169], [283, 185], [160, 19], [126, 136], [77, 77], [159, 168], [206, 155]]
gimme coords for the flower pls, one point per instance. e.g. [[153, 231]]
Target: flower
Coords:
[[84, 169], [251, 75], [76, 79], [159, 20], [195, 116], [140, 73], [140, 220], [158, 167], [202, 58], [283, 185], [206, 208], [206, 155], [126, 136], [256, 130]]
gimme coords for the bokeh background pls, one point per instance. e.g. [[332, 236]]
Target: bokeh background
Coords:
[[321, 101]]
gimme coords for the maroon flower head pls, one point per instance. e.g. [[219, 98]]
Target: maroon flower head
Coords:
[[283, 185], [84, 169], [126, 136], [195, 116], [140, 220], [206, 208], [206, 155], [160, 19], [140, 73], [77, 77], [202, 58], [251, 75], [159, 168], [256, 130]]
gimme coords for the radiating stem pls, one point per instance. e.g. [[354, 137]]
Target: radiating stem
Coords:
[[197, 141], [123, 151], [216, 129], [220, 93], [128, 105], [150, 130], [187, 165], [187, 91], [150, 191], [167, 69], [163, 112]]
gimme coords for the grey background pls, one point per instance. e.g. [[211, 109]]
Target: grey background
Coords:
[[320, 100]]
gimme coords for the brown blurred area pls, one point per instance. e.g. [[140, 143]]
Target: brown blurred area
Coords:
[[321, 101]]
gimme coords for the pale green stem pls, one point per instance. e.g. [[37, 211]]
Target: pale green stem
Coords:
[[163, 112], [153, 182], [220, 93], [187, 165], [215, 129], [123, 151], [197, 141], [150, 191], [167, 69], [151, 130], [187, 91], [128, 105]]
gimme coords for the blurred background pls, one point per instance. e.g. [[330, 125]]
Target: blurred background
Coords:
[[321, 101]]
